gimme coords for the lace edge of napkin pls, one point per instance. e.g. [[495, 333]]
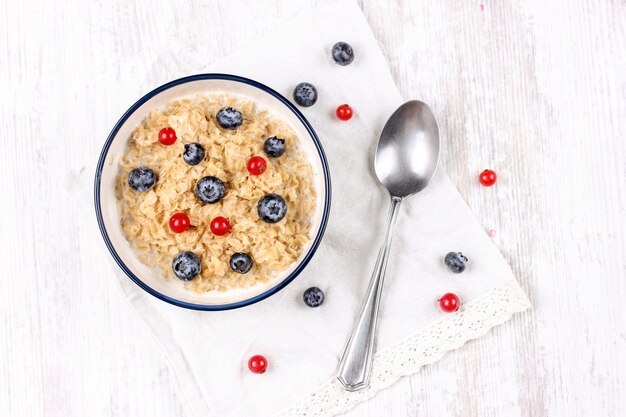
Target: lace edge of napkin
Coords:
[[425, 347]]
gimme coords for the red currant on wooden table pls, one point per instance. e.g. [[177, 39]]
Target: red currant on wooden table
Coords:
[[256, 165], [220, 226], [257, 364], [449, 302], [487, 178], [344, 112], [179, 222], [167, 136]]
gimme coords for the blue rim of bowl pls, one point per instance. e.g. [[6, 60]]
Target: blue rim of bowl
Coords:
[[312, 249]]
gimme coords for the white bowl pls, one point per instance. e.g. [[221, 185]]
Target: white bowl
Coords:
[[107, 207]]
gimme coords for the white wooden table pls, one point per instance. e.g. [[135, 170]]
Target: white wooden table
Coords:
[[536, 91]]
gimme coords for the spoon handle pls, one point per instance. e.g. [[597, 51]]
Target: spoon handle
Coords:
[[355, 365]]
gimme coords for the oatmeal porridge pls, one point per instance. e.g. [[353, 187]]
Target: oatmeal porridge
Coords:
[[215, 192]]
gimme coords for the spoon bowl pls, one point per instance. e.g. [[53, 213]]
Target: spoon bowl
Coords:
[[407, 154], [405, 163]]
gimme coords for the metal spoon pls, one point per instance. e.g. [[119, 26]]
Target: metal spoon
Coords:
[[406, 160]]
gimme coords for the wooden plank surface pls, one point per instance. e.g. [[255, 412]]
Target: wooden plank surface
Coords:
[[535, 90]]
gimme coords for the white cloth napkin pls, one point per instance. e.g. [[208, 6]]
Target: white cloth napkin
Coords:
[[209, 350]]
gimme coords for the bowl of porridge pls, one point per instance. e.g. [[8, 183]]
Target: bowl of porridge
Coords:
[[212, 192]]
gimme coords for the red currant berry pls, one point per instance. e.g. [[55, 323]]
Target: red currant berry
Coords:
[[257, 364], [449, 302], [344, 112], [179, 222], [167, 136], [487, 178], [220, 226], [256, 165]]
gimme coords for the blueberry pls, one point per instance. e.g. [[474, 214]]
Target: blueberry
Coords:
[[455, 261], [272, 208], [186, 265], [343, 53], [313, 297], [142, 179], [229, 118], [210, 189], [274, 146], [194, 153], [241, 262], [305, 94]]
